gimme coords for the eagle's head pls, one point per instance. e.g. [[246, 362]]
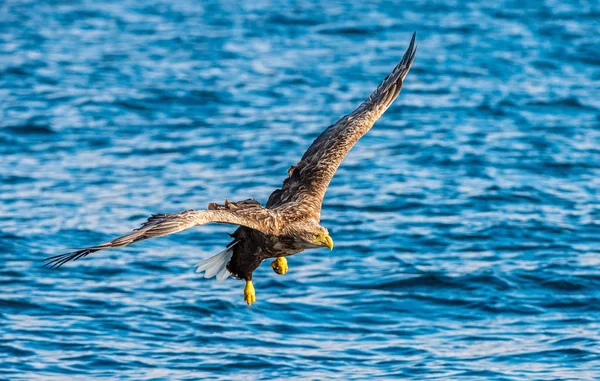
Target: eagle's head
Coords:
[[314, 236]]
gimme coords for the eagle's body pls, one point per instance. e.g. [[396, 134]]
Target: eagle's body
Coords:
[[251, 247], [289, 222]]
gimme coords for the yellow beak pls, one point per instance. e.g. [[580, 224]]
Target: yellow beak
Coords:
[[327, 241]]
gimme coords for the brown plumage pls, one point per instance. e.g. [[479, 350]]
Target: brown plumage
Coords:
[[289, 222]]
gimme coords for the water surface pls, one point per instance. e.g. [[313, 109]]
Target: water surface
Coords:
[[466, 222]]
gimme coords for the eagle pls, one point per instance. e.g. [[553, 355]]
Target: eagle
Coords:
[[289, 222]]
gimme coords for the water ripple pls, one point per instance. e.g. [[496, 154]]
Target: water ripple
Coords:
[[466, 223]]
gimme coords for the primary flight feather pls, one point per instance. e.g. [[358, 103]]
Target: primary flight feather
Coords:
[[289, 222]]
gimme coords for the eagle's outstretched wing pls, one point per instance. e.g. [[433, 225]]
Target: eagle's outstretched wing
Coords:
[[247, 213], [303, 191]]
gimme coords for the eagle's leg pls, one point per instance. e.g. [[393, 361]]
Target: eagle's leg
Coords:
[[249, 294], [280, 265]]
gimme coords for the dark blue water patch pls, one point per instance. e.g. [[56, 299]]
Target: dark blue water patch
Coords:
[[581, 306], [566, 104], [29, 129], [550, 356], [350, 30], [16, 352], [16, 179], [11, 305], [292, 19]]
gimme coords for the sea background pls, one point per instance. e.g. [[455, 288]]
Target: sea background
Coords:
[[466, 223]]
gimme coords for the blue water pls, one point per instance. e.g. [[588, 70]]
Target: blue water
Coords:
[[466, 223]]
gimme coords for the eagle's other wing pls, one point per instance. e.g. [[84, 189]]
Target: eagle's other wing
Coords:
[[303, 191], [247, 213]]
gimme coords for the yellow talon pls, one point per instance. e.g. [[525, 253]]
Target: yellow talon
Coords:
[[280, 265], [249, 294]]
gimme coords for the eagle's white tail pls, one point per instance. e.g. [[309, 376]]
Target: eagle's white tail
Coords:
[[217, 265]]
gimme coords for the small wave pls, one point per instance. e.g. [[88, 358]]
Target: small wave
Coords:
[[569, 103], [564, 284], [17, 352], [562, 354], [293, 20], [17, 305], [29, 129], [437, 281], [349, 30], [15, 179]]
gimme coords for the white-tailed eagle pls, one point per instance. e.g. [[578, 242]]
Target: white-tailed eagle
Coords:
[[289, 222]]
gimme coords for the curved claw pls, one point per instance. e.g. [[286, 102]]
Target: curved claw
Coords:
[[249, 294], [280, 265]]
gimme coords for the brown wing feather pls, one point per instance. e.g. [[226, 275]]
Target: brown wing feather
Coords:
[[247, 213], [303, 191]]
